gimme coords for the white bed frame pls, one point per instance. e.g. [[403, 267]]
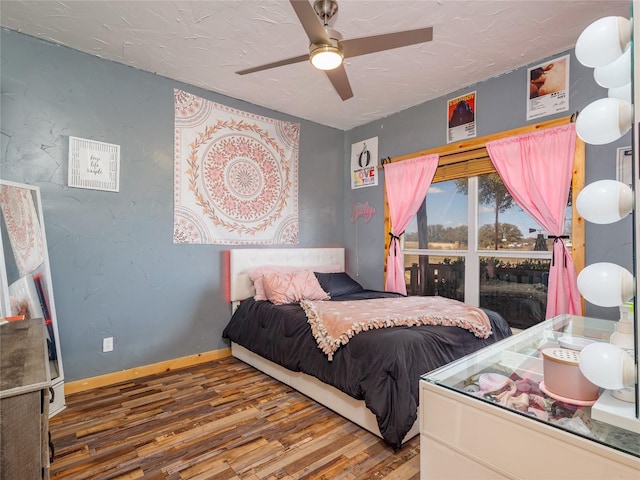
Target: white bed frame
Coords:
[[241, 261]]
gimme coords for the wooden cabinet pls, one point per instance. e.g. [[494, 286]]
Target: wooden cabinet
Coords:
[[24, 401], [468, 431]]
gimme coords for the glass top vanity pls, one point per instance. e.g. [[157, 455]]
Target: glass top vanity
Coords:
[[510, 375], [491, 414]]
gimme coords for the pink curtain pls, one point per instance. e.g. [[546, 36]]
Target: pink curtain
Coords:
[[406, 183], [536, 168]]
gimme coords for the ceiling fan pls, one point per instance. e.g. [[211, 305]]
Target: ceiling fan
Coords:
[[327, 50]]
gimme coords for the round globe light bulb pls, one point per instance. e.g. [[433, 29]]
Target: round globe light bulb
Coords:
[[622, 93], [616, 73], [606, 284], [606, 365], [604, 121], [603, 41], [605, 201]]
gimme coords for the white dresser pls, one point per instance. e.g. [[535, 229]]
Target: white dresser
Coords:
[[466, 433]]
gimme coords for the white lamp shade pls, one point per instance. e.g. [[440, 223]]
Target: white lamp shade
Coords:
[[622, 93], [326, 57], [605, 201], [616, 73], [604, 121], [603, 41], [606, 284], [607, 366]]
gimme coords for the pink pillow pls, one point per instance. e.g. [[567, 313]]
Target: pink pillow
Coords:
[[292, 287], [257, 273]]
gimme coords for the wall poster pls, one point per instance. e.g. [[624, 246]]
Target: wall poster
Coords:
[[548, 88], [461, 118], [364, 163]]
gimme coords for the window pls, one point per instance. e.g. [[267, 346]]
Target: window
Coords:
[[507, 264], [435, 244], [471, 242]]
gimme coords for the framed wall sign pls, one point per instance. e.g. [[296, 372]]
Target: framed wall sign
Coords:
[[94, 165]]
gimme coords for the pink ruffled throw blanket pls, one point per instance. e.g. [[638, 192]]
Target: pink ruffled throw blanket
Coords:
[[334, 323]]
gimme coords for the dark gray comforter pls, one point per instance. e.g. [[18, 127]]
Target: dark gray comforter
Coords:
[[381, 367]]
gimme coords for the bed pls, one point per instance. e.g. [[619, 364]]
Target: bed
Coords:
[[371, 380]]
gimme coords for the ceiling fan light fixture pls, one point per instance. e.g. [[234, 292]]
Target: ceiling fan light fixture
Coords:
[[326, 57]]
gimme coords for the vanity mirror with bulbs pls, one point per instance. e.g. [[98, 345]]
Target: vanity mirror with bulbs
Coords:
[[607, 46], [559, 399], [26, 290]]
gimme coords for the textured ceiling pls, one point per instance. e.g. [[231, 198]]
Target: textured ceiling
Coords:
[[203, 43]]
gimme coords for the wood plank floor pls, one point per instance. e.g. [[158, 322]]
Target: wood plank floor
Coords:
[[219, 420]]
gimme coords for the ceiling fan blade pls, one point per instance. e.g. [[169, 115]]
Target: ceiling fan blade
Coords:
[[387, 41], [340, 82], [281, 63], [310, 21]]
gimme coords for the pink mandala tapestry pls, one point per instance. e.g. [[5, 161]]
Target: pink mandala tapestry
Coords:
[[235, 175], [23, 228]]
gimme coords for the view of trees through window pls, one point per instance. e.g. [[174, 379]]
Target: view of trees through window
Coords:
[[506, 269]]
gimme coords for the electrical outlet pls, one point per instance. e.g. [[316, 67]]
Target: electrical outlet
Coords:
[[107, 344]]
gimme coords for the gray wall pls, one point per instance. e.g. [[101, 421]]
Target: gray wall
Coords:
[[115, 270], [500, 105]]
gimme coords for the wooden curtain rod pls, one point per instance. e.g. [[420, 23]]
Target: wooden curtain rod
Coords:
[[475, 147]]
